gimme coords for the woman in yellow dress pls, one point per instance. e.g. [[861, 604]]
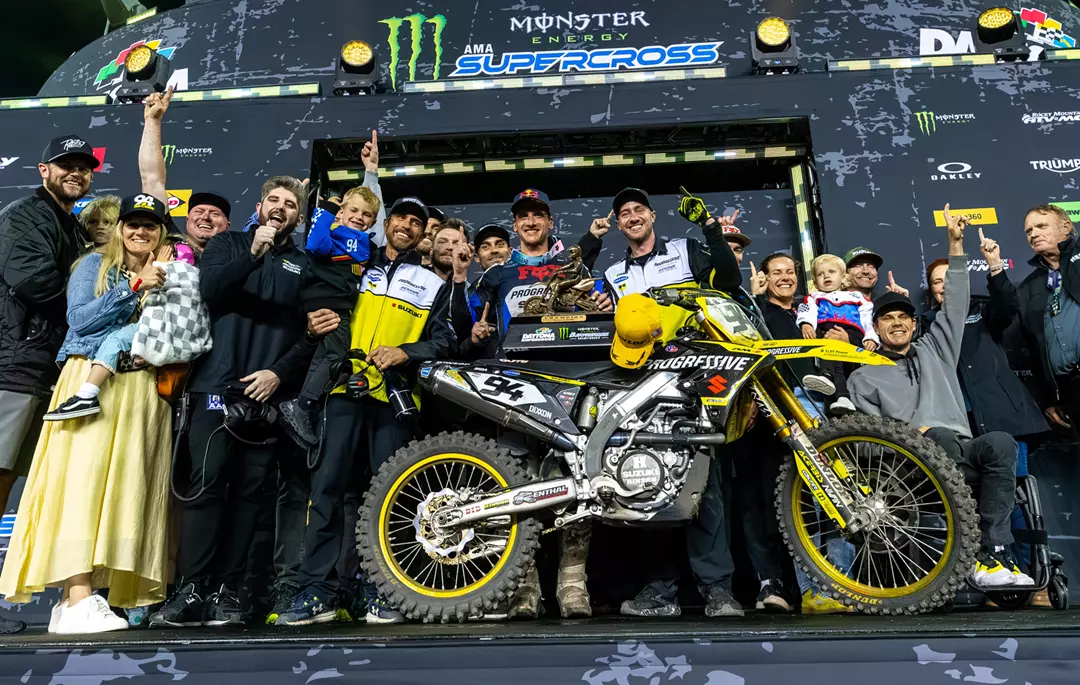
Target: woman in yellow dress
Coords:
[[94, 510]]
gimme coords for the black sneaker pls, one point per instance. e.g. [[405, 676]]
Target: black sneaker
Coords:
[[771, 598], [283, 597], [306, 609], [297, 423], [9, 626], [720, 604], [184, 609], [73, 408], [650, 603], [223, 608]]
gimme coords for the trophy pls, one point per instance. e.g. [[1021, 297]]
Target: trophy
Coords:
[[565, 290]]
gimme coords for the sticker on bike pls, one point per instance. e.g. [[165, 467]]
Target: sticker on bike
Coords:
[[506, 390]]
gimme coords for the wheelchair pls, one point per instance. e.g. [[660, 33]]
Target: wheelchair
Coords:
[[1042, 564]]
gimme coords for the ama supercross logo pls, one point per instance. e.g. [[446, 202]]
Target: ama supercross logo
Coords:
[[116, 66]]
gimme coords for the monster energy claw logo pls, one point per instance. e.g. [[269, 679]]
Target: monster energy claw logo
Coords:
[[416, 27], [564, 333], [927, 122]]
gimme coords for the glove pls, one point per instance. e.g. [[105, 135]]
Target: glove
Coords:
[[693, 210]]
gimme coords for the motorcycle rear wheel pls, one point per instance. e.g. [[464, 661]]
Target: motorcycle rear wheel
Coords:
[[923, 546], [432, 577]]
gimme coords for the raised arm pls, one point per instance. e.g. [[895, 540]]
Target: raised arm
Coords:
[[151, 158], [947, 331], [370, 157]]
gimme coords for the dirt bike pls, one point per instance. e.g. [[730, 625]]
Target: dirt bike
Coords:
[[875, 513]]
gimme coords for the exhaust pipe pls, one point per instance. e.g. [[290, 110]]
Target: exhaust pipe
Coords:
[[450, 389]]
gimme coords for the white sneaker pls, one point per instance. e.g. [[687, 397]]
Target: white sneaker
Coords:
[[92, 615], [989, 573], [820, 384], [841, 406], [54, 617]]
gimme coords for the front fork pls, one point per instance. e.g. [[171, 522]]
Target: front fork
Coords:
[[824, 479]]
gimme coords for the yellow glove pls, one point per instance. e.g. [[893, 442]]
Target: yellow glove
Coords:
[[693, 210]]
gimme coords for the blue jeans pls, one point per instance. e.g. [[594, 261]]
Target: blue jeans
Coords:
[[118, 341], [838, 551]]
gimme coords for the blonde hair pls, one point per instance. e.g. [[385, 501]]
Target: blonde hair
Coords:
[[365, 194], [821, 260], [112, 260], [107, 207]]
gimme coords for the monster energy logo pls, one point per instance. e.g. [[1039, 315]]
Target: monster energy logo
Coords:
[[927, 122], [564, 333], [171, 152], [416, 26]]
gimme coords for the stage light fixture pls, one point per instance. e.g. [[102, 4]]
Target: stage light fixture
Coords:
[[358, 69], [773, 49], [998, 33], [145, 72]]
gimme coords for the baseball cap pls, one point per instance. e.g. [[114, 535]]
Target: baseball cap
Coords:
[[488, 230], [532, 195], [890, 301], [209, 197], [69, 146], [735, 235], [637, 327], [630, 195], [856, 252], [436, 213], [143, 204], [409, 205]]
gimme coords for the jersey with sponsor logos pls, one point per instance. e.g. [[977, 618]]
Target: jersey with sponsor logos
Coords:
[[678, 263], [401, 304]]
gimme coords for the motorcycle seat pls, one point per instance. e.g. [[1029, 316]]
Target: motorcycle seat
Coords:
[[572, 370]]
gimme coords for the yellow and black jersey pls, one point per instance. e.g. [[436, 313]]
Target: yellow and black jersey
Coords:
[[678, 263], [401, 304]]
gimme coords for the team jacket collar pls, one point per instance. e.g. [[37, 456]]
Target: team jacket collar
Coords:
[[1039, 263], [659, 248]]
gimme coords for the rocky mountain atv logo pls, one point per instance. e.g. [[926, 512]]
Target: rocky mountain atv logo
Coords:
[[416, 24]]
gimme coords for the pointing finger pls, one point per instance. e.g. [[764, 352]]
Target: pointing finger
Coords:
[[735, 215], [753, 270], [982, 237], [891, 281], [374, 137], [487, 308]]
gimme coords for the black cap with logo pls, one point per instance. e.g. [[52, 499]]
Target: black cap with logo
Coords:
[[630, 195], [488, 230], [891, 301], [409, 205], [143, 204], [209, 197], [69, 146]]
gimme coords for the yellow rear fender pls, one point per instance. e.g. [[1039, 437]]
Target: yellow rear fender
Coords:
[[822, 348]]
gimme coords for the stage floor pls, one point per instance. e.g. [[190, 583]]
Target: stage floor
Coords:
[[1036, 647]]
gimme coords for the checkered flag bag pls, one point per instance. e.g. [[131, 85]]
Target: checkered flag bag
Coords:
[[174, 326]]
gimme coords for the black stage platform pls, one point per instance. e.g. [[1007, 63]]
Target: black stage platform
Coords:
[[1032, 647]]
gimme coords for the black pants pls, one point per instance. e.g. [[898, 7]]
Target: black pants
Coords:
[[989, 466], [229, 477], [707, 537], [757, 458], [328, 352], [370, 427], [838, 371]]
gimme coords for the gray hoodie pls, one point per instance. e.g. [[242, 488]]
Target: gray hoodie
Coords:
[[923, 389]]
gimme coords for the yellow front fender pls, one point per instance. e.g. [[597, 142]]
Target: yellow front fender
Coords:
[[822, 348]]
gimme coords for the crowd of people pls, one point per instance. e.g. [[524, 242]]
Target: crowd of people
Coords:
[[173, 507]]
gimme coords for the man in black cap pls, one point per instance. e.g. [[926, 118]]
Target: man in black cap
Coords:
[[922, 389], [401, 317], [862, 268], [208, 212], [39, 241], [492, 244]]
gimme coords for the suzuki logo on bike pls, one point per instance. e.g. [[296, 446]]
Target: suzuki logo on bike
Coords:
[[533, 496], [703, 361], [717, 385]]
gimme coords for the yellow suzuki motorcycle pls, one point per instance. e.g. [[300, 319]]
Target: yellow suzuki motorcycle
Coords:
[[876, 514]]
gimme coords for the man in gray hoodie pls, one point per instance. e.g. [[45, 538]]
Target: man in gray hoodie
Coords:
[[923, 391]]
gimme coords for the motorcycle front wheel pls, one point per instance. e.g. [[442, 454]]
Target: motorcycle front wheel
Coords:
[[441, 575], [922, 533]]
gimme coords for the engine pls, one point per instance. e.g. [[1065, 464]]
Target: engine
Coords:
[[650, 477]]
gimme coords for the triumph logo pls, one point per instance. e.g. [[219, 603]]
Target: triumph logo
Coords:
[[954, 171], [416, 42], [1058, 166]]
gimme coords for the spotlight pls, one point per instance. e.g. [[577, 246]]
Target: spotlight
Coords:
[[145, 72], [772, 48], [358, 69], [998, 32]]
